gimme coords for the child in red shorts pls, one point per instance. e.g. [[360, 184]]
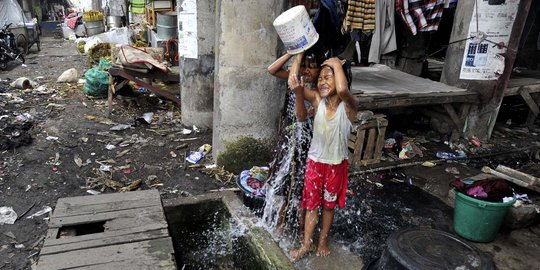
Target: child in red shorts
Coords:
[[325, 181]]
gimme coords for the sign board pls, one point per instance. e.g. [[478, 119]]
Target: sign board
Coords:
[[491, 24], [187, 30]]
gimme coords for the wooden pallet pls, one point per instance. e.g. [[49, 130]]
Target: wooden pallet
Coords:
[[129, 231], [366, 143]]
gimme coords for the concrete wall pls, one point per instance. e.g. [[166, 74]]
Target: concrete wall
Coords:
[[247, 100], [197, 75]]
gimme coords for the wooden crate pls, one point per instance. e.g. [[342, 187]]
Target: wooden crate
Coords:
[[366, 142]]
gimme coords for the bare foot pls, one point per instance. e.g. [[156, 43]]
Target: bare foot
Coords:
[[299, 253], [323, 250]]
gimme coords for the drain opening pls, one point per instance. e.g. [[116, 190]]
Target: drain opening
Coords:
[[81, 229]]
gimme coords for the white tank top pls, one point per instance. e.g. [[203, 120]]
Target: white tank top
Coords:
[[329, 143]]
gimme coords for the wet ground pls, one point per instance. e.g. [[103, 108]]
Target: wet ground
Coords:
[[53, 144]]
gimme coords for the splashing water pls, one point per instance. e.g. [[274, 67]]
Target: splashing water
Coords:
[[286, 182], [214, 245]]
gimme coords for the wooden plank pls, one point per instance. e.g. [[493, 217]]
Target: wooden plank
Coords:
[[121, 265], [514, 85], [453, 115], [379, 145], [370, 146], [51, 239], [533, 107], [373, 102], [530, 116], [111, 240], [510, 178], [67, 209], [150, 195], [129, 218], [529, 179], [156, 253], [359, 146]]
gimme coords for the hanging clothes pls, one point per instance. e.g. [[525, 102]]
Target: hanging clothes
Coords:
[[360, 15], [384, 36], [421, 15], [327, 22]]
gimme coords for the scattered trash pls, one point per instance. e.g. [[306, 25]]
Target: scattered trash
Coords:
[[7, 215], [452, 170], [195, 157], [429, 164], [196, 129], [52, 138], [78, 161], [110, 147], [21, 83], [186, 131], [173, 154], [184, 145], [19, 246], [146, 118], [120, 127], [93, 192], [45, 210], [219, 174], [476, 142], [132, 186], [69, 76], [105, 168], [102, 181], [451, 156]]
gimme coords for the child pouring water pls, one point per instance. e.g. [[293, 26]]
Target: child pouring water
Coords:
[[325, 180]]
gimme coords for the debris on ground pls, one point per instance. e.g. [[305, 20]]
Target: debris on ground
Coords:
[[45, 210], [7, 215], [69, 76]]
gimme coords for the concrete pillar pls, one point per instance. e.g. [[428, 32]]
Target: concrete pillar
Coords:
[[197, 74], [247, 100]]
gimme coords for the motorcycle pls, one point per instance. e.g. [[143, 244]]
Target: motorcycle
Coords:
[[8, 48]]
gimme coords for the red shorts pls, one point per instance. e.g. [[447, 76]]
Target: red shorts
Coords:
[[325, 184]]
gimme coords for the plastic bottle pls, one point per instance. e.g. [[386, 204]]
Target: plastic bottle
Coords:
[[445, 155]]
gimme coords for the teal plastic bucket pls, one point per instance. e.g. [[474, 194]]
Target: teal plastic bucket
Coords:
[[478, 220]]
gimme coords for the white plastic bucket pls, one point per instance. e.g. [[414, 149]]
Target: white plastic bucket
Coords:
[[296, 30]]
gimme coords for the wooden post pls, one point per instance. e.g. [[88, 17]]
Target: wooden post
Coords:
[[481, 119]]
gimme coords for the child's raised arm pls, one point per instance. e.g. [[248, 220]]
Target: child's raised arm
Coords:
[[342, 87], [276, 68]]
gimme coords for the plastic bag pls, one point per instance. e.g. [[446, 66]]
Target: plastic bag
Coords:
[[70, 75], [97, 80]]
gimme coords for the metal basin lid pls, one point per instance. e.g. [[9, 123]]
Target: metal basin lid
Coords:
[[433, 249]]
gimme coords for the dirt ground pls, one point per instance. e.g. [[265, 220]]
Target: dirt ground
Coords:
[[53, 143]]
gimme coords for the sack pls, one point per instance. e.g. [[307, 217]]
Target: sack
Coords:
[[97, 80], [69, 76]]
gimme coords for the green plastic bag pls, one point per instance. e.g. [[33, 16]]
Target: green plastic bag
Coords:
[[97, 80]]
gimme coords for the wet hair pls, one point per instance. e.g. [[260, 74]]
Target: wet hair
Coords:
[[348, 72], [318, 57]]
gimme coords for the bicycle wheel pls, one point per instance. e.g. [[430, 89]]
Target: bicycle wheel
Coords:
[[22, 44]]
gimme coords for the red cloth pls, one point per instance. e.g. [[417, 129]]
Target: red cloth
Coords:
[[72, 22], [325, 184]]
